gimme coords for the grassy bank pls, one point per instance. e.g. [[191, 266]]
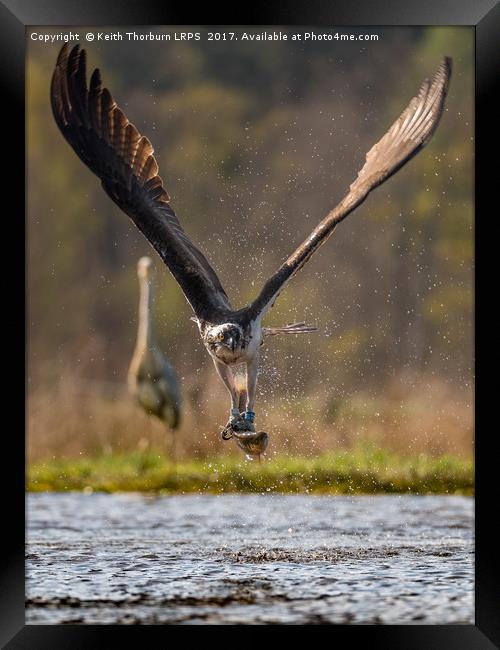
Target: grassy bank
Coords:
[[364, 471]]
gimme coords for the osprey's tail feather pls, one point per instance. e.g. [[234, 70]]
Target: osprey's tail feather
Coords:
[[292, 328]]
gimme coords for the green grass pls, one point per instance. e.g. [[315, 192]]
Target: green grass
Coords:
[[362, 471]]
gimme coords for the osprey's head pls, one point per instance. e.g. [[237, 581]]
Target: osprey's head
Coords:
[[224, 340]]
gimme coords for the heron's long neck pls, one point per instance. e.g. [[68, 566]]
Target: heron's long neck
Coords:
[[145, 332]]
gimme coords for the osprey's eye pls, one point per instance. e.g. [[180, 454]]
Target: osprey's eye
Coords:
[[220, 336]]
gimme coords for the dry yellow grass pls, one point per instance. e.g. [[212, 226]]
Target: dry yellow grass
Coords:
[[83, 418]]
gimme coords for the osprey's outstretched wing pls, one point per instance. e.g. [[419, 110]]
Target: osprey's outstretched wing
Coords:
[[409, 133], [116, 152]]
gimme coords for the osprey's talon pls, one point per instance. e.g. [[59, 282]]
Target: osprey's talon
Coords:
[[243, 426], [249, 416], [234, 416], [235, 419]]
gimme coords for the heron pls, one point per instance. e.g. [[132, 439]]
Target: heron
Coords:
[[151, 377]]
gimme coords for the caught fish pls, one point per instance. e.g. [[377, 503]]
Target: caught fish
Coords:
[[253, 444]]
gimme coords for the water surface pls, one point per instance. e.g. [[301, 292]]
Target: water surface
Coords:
[[97, 558]]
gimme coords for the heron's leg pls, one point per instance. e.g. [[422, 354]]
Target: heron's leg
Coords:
[[149, 429], [173, 449], [226, 374]]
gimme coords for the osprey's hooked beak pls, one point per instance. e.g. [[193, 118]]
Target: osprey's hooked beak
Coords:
[[231, 343]]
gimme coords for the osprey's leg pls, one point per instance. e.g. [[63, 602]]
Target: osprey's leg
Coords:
[[242, 400], [252, 371], [227, 376]]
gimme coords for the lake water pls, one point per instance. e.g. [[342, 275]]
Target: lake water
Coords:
[[251, 559]]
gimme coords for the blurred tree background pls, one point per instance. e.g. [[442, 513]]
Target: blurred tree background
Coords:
[[256, 142]]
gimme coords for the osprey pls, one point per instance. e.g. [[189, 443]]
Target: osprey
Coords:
[[122, 158]]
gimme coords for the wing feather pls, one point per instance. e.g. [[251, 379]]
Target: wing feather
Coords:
[[112, 147], [405, 138]]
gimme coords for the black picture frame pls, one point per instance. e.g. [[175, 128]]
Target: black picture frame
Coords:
[[15, 15]]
